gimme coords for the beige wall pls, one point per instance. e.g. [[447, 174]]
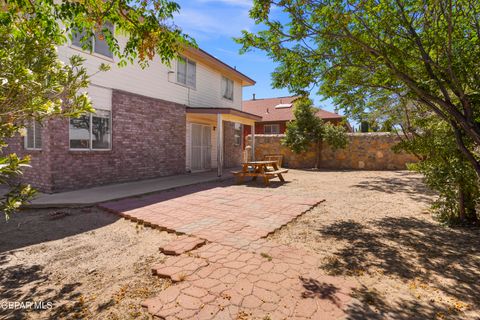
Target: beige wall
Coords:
[[158, 80], [369, 151]]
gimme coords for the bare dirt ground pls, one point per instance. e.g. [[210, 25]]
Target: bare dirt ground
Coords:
[[374, 227], [89, 263]]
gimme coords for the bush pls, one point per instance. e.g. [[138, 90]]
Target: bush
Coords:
[[447, 172]]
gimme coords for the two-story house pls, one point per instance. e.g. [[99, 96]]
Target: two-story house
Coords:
[[158, 121]]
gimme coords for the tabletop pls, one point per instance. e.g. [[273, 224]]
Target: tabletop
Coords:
[[260, 162]]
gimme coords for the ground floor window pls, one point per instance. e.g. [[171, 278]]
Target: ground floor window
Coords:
[[92, 131], [238, 134], [271, 128], [33, 137]]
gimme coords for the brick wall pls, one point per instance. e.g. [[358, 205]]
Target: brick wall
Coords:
[[39, 172], [232, 154], [148, 141], [369, 151]]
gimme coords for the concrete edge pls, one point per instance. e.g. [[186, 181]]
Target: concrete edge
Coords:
[[92, 204]]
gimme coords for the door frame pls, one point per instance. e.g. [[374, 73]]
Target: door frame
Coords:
[[205, 167]]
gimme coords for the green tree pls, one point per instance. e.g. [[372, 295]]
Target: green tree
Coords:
[[426, 51], [307, 129], [35, 84], [446, 169]]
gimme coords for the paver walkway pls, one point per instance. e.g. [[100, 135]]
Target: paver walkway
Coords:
[[238, 274]]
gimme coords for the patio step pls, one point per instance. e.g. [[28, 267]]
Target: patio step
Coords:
[[181, 245], [179, 267]]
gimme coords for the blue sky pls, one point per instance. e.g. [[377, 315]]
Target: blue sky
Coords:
[[213, 24]]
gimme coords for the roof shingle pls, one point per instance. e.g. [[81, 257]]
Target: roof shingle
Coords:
[[266, 109]]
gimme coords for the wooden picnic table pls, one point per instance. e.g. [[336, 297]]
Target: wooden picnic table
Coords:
[[262, 169]]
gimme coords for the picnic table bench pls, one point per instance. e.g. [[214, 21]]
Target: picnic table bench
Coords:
[[261, 169]]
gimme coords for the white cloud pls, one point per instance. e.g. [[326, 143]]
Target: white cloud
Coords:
[[204, 22], [242, 3], [250, 56]]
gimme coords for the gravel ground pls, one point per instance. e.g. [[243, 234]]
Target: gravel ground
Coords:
[[374, 227], [89, 263]]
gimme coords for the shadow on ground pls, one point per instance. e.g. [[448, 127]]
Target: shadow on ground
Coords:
[[319, 290], [403, 182], [260, 184], [25, 283], [412, 250], [14, 280], [158, 197], [29, 227], [371, 305], [52, 224]]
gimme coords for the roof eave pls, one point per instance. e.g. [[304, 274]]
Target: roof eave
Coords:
[[216, 63]]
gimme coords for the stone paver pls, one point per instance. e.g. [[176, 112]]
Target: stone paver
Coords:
[[181, 245], [237, 216], [275, 281], [238, 274], [178, 268]]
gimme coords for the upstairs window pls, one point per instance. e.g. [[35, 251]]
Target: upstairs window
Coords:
[[227, 88], [33, 138], [97, 42], [186, 72], [271, 128], [91, 131]]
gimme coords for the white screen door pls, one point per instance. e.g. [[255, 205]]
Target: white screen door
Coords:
[[201, 147]]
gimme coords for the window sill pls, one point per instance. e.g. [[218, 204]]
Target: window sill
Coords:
[[89, 151], [185, 86], [93, 54]]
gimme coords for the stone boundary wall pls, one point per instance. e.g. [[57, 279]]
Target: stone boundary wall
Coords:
[[367, 151]]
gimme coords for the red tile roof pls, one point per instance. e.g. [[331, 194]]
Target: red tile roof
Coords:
[[266, 109]]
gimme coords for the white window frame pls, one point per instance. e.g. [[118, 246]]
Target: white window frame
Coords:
[[187, 60], [271, 125], [93, 46], [33, 125], [227, 80], [240, 134], [91, 134]]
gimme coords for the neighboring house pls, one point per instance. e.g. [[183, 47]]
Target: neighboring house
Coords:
[[158, 121], [276, 112]]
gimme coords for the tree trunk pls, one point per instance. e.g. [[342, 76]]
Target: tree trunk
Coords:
[[472, 213], [461, 205], [464, 150], [317, 154], [467, 212], [470, 210]]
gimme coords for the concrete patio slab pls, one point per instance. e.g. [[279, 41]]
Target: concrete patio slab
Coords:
[[93, 196]]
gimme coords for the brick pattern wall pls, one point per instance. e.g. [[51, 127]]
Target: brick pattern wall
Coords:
[[232, 154], [148, 141], [369, 151], [39, 173]]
